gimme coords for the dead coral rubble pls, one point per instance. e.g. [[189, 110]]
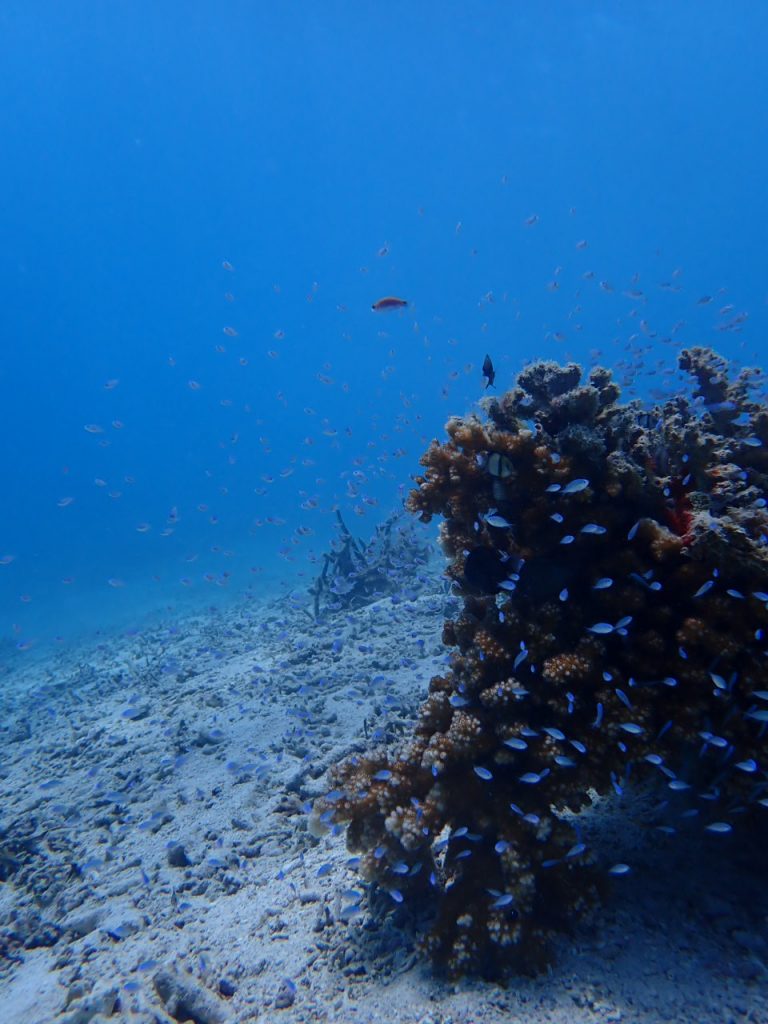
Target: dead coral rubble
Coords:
[[612, 561], [355, 573]]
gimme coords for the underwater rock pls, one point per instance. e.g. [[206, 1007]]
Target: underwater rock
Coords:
[[101, 1003], [286, 994], [84, 920], [121, 923], [177, 856], [185, 999], [613, 631]]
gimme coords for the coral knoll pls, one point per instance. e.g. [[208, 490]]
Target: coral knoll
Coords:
[[612, 559]]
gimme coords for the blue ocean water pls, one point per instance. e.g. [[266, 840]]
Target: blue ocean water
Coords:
[[203, 207], [201, 203]]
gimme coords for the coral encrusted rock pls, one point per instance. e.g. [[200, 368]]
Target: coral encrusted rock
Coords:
[[612, 559]]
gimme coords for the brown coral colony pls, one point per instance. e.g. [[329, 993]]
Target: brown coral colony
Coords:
[[612, 562]]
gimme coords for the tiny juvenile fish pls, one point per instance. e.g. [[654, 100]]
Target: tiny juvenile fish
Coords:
[[502, 901], [515, 744], [388, 302], [704, 588], [619, 869], [556, 734], [498, 521], [593, 528], [575, 486], [577, 849], [458, 702]]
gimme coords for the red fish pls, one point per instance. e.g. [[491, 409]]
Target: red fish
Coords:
[[388, 302]]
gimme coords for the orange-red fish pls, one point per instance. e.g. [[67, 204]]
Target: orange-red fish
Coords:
[[388, 302]]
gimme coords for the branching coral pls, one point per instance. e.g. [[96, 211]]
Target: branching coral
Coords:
[[612, 561]]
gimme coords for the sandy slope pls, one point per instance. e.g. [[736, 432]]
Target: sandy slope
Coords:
[[159, 867]]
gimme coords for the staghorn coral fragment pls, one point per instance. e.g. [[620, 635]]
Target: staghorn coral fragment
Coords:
[[614, 630], [356, 573]]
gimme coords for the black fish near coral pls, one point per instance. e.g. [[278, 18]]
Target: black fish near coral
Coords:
[[618, 626], [488, 371]]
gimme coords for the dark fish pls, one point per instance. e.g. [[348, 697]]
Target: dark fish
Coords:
[[484, 569], [488, 371], [388, 302]]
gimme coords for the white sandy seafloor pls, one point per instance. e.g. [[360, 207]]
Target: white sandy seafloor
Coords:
[[153, 837]]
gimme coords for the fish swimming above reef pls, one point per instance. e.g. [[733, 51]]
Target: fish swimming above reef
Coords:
[[388, 302], [488, 371]]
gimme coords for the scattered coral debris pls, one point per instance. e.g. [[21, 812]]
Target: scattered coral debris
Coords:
[[356, 573], [612, 562]]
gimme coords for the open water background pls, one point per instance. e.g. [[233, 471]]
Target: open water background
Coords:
[[171, 173]]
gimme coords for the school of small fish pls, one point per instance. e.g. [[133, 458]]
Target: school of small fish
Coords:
[[336, 461]]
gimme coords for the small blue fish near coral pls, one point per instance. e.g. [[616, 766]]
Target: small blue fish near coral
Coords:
[[497, 521], [575, 486]]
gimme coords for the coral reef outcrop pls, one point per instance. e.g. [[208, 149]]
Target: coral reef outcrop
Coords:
[[611, 557]]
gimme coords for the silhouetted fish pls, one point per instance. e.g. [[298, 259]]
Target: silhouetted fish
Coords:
[[388, 302], [488, 371]]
